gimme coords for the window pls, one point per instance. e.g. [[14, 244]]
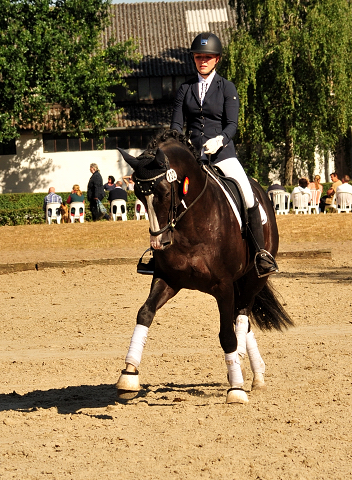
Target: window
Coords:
[[8, 148], [133, 138]]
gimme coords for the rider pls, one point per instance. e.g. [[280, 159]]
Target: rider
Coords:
[[209, 104]]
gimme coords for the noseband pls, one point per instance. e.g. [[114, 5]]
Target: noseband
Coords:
[[148, 186]]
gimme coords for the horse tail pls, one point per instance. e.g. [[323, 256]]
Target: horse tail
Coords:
[[268, 313]]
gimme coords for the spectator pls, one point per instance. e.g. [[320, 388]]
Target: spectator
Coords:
[[316, 185], [345, 187], [76, 195], [111, 183], [95, 193], [52, 197], [129, 182], [117, 193], [302, 188], [326, 200], [276, 186]]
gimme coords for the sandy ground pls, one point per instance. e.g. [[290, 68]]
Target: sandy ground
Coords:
[[65, 333]]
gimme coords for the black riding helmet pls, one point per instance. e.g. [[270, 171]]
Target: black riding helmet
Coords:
[[206, 43]]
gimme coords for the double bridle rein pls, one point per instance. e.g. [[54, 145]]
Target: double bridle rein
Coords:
[[148, 185]]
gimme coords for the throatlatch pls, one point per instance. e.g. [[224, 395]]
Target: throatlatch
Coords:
[[264, 263]]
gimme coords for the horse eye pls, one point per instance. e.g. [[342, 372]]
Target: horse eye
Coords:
[[167, 194]]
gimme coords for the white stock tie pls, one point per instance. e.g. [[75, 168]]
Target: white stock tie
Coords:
[[203, 91]]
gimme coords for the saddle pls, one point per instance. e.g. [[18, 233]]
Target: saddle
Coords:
[[233, 188]]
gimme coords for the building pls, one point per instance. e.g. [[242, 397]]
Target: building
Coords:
[[165, 31]]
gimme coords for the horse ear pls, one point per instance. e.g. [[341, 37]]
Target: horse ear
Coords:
[[160, 158], [132, 161]]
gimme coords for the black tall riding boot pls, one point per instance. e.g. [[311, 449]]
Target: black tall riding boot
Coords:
[[264, 262]]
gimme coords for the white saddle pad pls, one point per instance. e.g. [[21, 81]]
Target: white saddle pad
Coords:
[[232, 203]]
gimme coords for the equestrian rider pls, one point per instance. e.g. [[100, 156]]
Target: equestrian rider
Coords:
[[209, 105]]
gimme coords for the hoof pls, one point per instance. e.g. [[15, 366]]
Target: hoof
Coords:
[[236, 395], [126, 394], [128, 384], [258, 384]]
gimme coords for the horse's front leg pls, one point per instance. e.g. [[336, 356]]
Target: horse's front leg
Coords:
[[160, 293], [228, 342]]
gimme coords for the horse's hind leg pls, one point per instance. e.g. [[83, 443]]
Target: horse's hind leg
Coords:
[[246, 343], [160, 293]]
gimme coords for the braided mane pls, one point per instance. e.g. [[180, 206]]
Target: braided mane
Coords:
[[168, 134]]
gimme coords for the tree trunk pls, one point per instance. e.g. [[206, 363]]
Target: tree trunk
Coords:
[[288, 173]]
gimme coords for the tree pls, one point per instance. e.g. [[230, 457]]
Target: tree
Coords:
[[291, 63], [51, 55]]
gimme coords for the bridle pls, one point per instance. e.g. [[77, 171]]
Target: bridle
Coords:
[[147, 186]]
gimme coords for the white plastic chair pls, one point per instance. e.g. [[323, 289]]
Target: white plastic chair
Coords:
[[314, 202], [139, 210], [77, 212], [331, 205], [280, 201], [300, 202], [344, 202], [120, 210], [53, 212]]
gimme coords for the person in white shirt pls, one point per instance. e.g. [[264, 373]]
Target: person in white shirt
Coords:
[[302, 188], [345, 187]]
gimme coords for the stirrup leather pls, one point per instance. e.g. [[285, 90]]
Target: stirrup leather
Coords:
[[262, 254]]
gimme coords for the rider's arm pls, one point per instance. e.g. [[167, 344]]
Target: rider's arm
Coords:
[[231, 108], [178, 118]]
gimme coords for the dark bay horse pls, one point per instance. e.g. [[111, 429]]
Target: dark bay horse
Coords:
[[198, 245]]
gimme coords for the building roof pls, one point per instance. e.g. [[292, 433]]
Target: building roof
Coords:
[[165, 31]]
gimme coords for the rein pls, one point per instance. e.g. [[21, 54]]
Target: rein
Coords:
[[171, 177]]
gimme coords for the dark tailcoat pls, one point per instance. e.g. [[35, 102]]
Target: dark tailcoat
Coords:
[[217, 116]]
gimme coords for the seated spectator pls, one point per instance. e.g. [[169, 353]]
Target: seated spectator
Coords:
[[345, 187], [76, 195], [52, 197], [302, 188], [326, 200], [316, 185], [276, 186], [111, 183], [117, 193], [129, 182]]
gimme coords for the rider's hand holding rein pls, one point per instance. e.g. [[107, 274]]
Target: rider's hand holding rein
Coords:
[[213, 145]]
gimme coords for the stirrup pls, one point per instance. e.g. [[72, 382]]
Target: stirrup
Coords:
[[272, 265], [146, 268]]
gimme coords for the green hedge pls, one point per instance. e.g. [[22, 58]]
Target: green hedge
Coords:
[[27, 208]]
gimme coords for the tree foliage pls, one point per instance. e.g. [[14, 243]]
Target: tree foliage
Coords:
[[291, 63], [51, 54]]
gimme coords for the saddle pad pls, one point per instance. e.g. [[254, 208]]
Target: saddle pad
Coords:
[[232, 203]]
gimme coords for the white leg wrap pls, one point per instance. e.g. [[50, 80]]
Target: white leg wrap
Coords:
[[241, 329], [138, 340], [234, 369], [255, 360]]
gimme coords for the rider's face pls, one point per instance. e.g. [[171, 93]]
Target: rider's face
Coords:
[[205, 63]]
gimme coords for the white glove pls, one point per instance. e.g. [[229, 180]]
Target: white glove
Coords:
[[213, 145]]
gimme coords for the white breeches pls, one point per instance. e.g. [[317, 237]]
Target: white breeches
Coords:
[[232, 168]]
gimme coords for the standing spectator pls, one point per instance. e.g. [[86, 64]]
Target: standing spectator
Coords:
[[345, 187], [326, 200], [52, 197], [316, 185], [111, 183], [95, 193], [129, 182]]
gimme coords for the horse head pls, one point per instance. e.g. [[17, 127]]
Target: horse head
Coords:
[[162, 178]]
